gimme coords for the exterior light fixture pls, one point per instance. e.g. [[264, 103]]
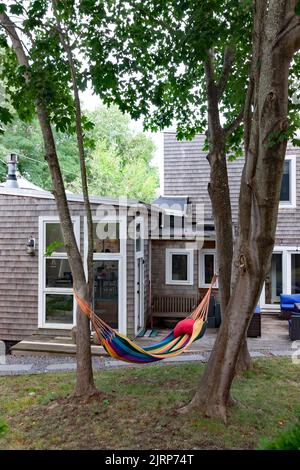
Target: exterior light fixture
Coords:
[[31, 246]]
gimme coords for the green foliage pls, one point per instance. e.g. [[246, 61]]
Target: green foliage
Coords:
[[48, 80], [288, 439], [120, 166], [152, 64], [25, 139], [3, 427], [50, 249]]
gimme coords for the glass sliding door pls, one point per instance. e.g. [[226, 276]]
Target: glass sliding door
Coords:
[[106, 291], [274, 280], [109, 258], [295, 273]]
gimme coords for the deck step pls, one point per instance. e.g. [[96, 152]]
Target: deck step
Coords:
[[27, 347]]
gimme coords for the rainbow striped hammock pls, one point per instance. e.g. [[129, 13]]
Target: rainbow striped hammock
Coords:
[[121, 347]]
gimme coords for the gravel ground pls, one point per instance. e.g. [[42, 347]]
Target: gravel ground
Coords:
[[37, 364], [16, 365]]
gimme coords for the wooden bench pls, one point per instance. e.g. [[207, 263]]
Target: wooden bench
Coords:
[[173, 307]]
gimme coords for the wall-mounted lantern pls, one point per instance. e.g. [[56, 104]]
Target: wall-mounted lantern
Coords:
[[31, 246]]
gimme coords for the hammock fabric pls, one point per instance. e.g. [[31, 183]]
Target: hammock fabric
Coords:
[[122, 348]]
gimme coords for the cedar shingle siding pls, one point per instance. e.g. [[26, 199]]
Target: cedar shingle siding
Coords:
[[186, 172], [19, 277]]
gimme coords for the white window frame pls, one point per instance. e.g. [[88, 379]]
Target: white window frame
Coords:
[[190, 266], [43, 290], [292, 203], [120, 257], [139, 255], [202, 254]]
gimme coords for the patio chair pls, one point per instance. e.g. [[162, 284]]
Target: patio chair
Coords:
[[254, 328], [214, 314], [287, 305], [294, 327]]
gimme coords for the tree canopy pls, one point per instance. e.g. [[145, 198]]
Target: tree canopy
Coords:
[[120, 164]]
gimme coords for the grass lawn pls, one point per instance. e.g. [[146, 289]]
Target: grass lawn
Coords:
[[137, 409]]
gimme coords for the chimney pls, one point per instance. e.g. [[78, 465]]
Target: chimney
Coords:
[[11, 180]]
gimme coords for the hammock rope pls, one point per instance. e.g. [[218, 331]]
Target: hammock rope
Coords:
[[120, 347]]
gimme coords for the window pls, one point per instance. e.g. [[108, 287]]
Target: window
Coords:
[[56, 302], [295, 273], [288, 184], [207, 267], [106, 290], [274, 280], [179, 266], [106, 237]]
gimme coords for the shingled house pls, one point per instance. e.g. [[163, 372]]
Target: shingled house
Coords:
[[186, 172], [166, 250], [36, 285]]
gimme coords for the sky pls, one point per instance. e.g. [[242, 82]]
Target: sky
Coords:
[[91, 102]]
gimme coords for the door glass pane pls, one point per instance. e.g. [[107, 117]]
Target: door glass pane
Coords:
[[138, 244], [285, 184], [106, 291], [209, 268], [59, 308], [273, 286], [54, 237], [58, 273], [179, 267], [106, 237], [295, 267]]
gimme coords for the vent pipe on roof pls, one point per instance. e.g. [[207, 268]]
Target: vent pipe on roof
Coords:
[[11, 180]]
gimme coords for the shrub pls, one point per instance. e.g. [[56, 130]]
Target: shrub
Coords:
[[287, 439]]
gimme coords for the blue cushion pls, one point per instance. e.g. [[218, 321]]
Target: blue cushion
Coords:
[[287, 301], [287, 306]]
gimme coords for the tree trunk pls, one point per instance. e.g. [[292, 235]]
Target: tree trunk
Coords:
[[276, 38], [218, 189], [85, 383], [84, 368], [221, 205]]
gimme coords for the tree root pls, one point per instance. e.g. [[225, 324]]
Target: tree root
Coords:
[[91, 393], [206, 409]]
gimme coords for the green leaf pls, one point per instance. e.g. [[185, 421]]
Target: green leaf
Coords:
[[52, 248], [2, 7], [16, 9], [297, 9], [5, 115]]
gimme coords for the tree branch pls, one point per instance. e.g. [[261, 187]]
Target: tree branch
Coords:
[[17, 44], [228, 130], [64, 38], [209, 69], [227, 66], [290, 34]]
